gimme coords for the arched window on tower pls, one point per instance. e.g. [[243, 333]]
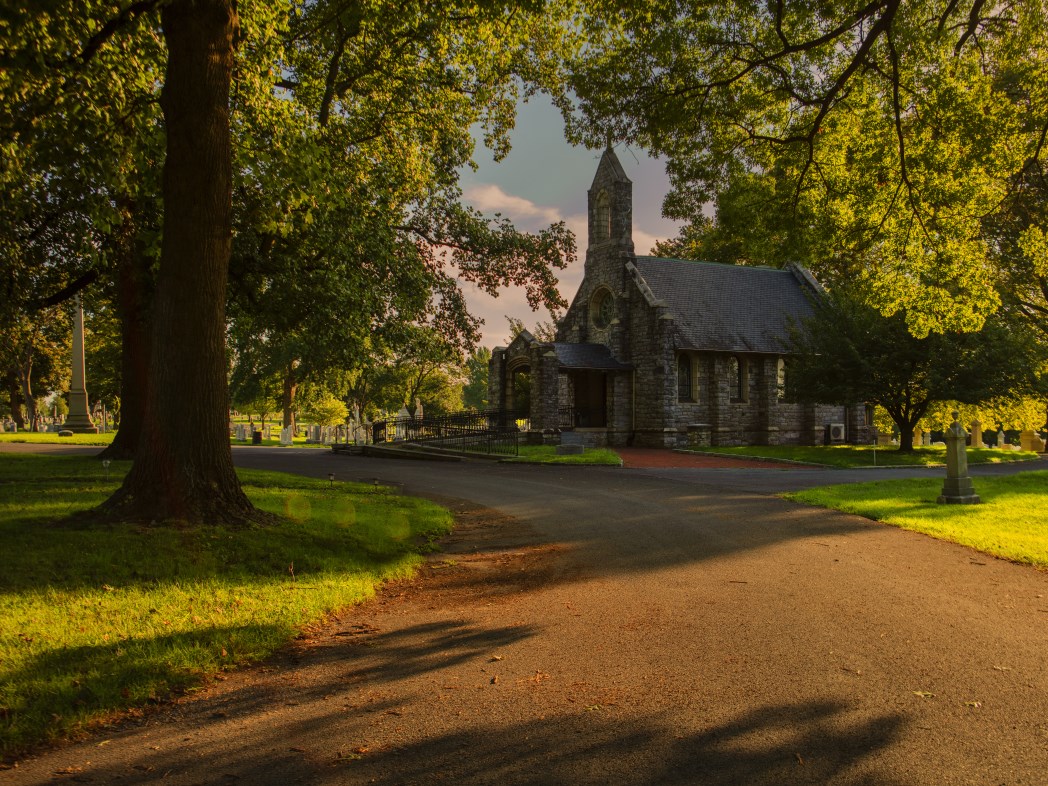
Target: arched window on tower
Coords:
[[602, 217]]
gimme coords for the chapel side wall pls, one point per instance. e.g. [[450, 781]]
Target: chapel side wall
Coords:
[[763, 418], [645, 350]]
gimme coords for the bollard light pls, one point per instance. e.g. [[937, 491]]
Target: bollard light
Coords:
[[105, 464], [331, 479]]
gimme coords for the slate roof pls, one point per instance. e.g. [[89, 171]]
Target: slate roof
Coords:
[[729, 308], [593, 357]]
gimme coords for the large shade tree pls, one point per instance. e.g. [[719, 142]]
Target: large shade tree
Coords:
[[332, 76], [847, 352], [869, 139]]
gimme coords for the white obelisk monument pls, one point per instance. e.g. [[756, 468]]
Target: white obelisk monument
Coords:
[[79, 420]]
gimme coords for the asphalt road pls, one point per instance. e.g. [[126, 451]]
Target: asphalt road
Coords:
[[599, 625]]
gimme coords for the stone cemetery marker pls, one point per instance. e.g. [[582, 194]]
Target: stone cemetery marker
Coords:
[[977, 439], [958, 489], [1000, 439], [1029, 440]]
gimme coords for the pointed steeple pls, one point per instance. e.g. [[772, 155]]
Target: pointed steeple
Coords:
[[610, 202]]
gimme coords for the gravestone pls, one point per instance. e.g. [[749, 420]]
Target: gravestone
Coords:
[[285, 436], [1029, 440], [977, 437], [926, 438], [918, 435], [1000, 439], [571, 444], [958, 489]]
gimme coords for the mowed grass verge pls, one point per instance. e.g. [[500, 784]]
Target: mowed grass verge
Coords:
[[547, 454], [96, 620], [844, 456], [1011, 522], [52, 438]]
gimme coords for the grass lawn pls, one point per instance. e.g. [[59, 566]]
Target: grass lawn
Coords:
[[274, 442], [1011, 523], [865, 455], [547, 454], [50, 438], [104, 439], [98, 620]]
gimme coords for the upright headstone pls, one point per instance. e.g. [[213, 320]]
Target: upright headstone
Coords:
[[958, 489], [1028, 440], [918, 435], [79, 420], [285, 436], [977, 441], [926, 438], [1000, 439], [418, 409]]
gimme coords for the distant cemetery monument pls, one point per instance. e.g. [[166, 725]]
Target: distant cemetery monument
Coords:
[[79, 419]]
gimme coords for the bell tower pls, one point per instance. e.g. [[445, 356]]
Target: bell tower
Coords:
[[610, 207]]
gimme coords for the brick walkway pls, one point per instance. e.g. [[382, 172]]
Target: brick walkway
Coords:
[[651, 458]]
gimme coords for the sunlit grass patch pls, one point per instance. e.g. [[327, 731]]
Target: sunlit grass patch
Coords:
[[52, 438], [547, 454], [102, 618], [868, 455], [1011, 522]]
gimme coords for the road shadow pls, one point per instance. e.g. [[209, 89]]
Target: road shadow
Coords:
[[776, 745]]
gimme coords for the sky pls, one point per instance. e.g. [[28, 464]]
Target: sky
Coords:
[[544, 180]]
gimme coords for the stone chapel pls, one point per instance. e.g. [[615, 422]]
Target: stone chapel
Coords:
[[666, 352]]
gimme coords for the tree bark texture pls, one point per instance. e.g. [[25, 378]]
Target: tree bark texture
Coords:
[[183, 467], [133, 300], [14, 393], [287, 401]]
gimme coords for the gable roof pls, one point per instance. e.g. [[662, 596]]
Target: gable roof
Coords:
[[592, 357], [729, 308]]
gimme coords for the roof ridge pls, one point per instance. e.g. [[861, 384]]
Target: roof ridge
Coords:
[[730, 265]]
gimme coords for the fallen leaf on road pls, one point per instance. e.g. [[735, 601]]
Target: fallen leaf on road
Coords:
[[923, 694], [973, 704], [800, 759]]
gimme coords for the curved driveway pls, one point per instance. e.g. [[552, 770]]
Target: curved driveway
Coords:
[[679, 626]]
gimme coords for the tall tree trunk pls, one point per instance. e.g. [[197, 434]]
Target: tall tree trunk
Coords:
[[287, 402], [184, 467], [15, 396], [25, 384], [133, 300]]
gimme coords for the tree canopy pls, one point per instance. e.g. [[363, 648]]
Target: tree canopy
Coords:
[[849, 352], [872, 140], [316, 146]]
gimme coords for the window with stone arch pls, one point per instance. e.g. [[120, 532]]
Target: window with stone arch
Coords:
[[602, 216], [780, 378], [602, 308], [685, 379], [737, 379]]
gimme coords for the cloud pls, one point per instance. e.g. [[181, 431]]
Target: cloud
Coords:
[[490, 198]]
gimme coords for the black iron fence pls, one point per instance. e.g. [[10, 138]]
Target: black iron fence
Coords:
[[493, 431]]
